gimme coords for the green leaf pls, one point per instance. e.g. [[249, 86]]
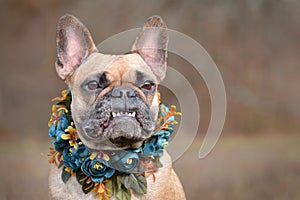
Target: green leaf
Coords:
[[81, 177], [139, 183], [109, 187], [125, 180], [122, 193], [87, 187], [65, 176], [61, 163], [136, 182], [159, 164]]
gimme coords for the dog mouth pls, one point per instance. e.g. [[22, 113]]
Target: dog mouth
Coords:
[[120, 130], [116, 116]]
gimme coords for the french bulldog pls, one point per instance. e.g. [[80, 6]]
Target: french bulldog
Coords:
[[114, 100]]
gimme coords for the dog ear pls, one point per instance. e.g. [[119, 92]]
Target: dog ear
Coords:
[[73, 44], [151, 43]]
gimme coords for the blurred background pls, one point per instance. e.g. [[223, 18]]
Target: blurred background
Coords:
[[255, 44]]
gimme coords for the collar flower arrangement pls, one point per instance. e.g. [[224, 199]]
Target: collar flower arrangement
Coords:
[[106, 173]]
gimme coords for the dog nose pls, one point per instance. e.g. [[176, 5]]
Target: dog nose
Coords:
[[122, 99], [123, 92]]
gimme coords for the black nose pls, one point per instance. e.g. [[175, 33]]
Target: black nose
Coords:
[[123, 99], [123, 92]]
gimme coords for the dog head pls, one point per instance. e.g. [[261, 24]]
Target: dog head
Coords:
[[114, 97]]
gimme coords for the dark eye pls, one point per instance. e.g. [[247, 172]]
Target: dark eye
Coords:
[[93, 85], [149, 86]]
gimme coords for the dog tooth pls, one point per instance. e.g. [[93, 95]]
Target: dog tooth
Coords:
[[114, 114], [133, 114]]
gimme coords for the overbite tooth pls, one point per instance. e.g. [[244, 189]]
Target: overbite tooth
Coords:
[[116, 114]]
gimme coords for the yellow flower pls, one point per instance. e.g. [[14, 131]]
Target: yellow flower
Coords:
[[71, 135], [64, 95], [57, 112], [165, 143], [102, 192], [105, 156], [55, 157], [93, 156]]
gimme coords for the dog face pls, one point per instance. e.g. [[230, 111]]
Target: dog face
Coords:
[[114, 97]]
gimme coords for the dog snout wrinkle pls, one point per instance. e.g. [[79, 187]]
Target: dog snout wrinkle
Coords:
[[123, 92]]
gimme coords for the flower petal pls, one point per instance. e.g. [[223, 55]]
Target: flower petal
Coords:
[[65, 136]]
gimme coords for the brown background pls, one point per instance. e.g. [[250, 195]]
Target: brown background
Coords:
[[255, 44]]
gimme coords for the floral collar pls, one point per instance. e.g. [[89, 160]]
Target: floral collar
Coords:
[[106, 173]]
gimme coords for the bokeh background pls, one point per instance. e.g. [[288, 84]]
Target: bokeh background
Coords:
[[255, 44]]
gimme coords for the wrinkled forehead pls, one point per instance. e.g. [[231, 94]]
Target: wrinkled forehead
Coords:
[[117, 67]]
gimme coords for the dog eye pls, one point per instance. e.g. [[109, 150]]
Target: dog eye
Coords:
[[148, 86], [93, 85]]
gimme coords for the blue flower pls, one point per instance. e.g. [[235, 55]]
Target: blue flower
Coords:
[[97, 169], [163, 139], [59, 143], [148, 149], [156, 145], [56, 131], [52, 130], [74, 158], [125, 161], [62, 124]]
